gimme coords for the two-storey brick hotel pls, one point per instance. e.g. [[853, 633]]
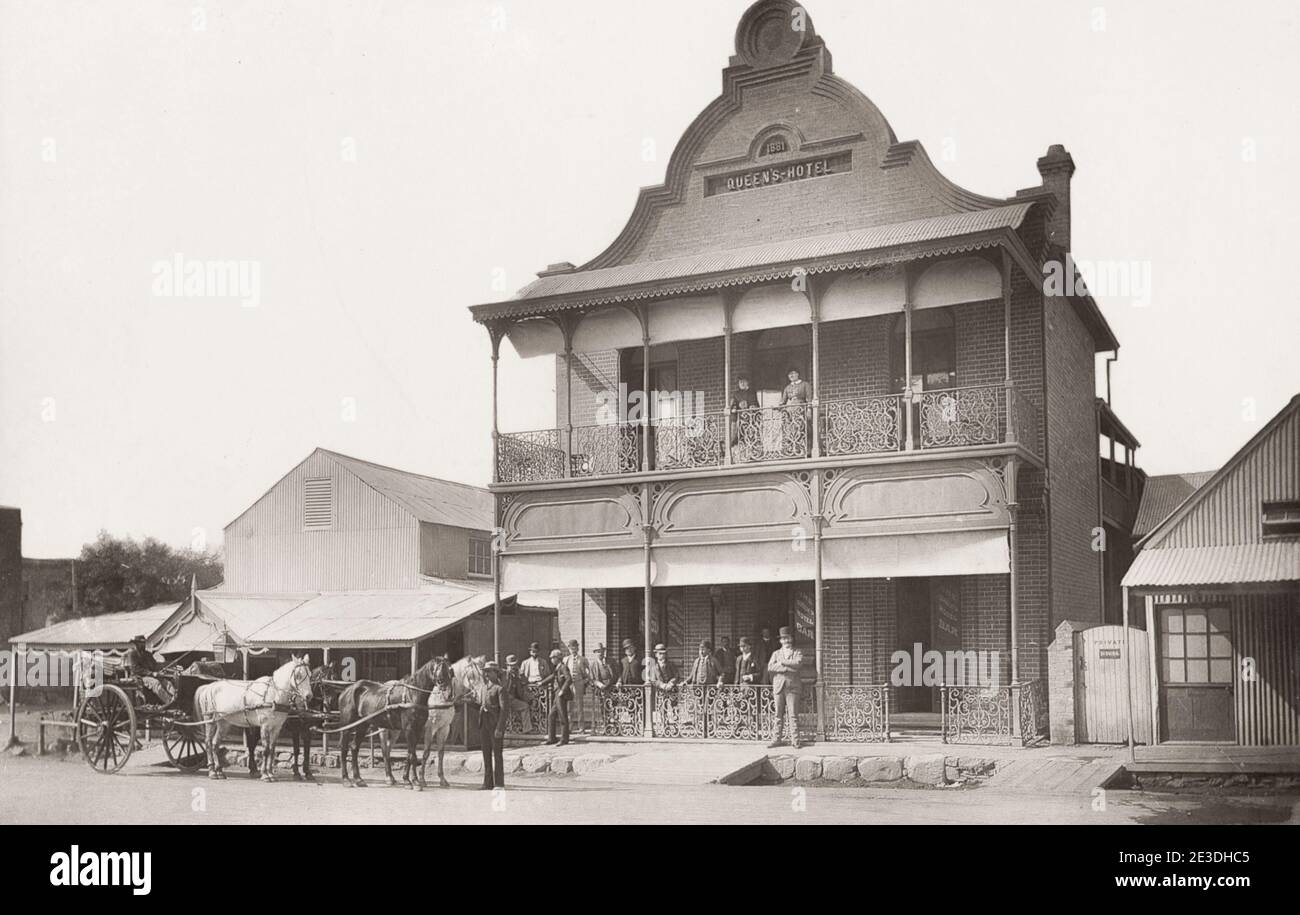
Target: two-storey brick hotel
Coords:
[[929, 479]]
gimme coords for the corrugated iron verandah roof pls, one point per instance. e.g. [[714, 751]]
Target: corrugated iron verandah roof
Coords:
[[856, 249], [1241, 563]]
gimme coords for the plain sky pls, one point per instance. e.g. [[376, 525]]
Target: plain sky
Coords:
[[387, 164]]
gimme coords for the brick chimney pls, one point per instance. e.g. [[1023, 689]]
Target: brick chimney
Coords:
[[1057, 167]]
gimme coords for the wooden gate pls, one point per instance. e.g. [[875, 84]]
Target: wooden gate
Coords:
[[1101, 700]]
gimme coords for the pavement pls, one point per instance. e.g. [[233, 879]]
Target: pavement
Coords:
[[65, 790]]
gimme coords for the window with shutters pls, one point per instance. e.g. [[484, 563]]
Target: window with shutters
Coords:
[[318, 504], [1281, 519]]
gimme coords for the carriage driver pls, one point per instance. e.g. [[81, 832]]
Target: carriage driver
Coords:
[[141, 663]]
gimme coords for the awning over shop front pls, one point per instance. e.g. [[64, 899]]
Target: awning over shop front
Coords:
[[972, 552], [1201, 566]]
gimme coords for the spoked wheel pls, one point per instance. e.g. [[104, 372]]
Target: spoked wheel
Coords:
[[183, 744], [106, 729]]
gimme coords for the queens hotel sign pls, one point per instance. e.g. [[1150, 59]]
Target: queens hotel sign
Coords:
[[785, 173]]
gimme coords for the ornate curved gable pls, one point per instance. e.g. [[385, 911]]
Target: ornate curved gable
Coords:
[[788, 149]]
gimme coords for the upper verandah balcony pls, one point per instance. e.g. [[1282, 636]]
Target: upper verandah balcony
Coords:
[[924, 337]]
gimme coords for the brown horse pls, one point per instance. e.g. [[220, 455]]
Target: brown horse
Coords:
[[398, 705]]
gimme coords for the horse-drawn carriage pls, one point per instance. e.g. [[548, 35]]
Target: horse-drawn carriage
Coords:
[[110, 720], [204, 702]]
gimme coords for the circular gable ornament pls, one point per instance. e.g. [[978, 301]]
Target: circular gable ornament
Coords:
[[772, 32]]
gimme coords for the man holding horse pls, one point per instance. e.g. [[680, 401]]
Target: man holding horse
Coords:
[[492, 727]]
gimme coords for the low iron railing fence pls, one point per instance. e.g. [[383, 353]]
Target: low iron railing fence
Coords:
[[854, 713], [1015, 714]]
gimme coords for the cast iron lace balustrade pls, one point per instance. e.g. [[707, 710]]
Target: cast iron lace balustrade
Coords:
[[771, 433], [961, 416], [690, 441], [525, 457], [1033, 709], [865, 425], [539, 710], [609, 448], [1014, 714], [858, 713], [620, 711]]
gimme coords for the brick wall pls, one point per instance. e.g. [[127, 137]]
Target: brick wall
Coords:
[[1072, 455], [593, 375]]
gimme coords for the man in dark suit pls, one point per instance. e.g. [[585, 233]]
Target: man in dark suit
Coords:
[[561, 683], [705, 671], [726, 660], [629, 672], [492, 728], [749, 670]]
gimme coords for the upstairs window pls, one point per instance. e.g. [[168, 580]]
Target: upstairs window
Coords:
[[480, 556], [318, 504], [1282, 519]]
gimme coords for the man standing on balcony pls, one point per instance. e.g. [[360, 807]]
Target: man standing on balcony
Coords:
[[726, 659], [705, 671], [577, 665], [602, 678], [766, 647], [629, 666], [535, 669], [749, 669], [783, 668]]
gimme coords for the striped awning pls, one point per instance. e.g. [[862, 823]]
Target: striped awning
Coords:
[[1242, 563]]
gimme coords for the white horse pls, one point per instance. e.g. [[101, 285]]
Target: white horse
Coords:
[[263, 704], [466, 679]]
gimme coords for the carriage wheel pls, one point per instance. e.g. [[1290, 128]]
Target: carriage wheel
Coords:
[[106, 729], [183, 744]]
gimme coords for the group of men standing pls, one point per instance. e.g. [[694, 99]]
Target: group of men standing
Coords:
[[568, 676]]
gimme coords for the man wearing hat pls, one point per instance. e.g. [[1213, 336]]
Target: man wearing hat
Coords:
[[661, 674], [629, 671], [577, 665], [783, 669], [492, 727], [705, 670], [749, 669], [602, 678], [514, 695], [141, 663], [535, 668], [561, 683]]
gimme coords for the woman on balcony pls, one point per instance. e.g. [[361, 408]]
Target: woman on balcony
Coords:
[[795, 399]]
